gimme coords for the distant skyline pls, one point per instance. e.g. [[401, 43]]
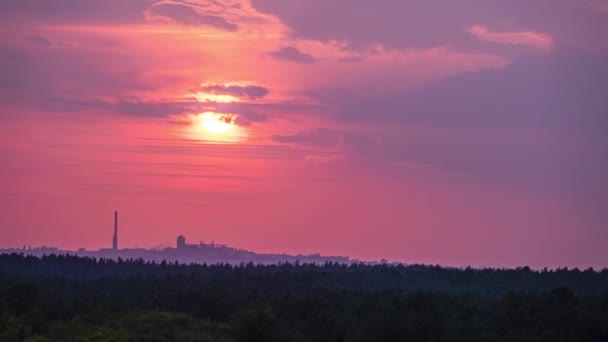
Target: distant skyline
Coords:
[[468, 133], [186, 253]]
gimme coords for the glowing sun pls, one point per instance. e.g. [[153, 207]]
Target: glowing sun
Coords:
[[215, 127], [215, 123]]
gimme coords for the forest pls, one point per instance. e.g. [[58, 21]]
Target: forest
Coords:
[[68, 298]]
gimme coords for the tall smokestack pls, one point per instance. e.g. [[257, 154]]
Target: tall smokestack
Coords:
[[115, 237]]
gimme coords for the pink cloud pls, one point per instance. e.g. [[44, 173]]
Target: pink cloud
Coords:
[[528, 38], [190, 15]]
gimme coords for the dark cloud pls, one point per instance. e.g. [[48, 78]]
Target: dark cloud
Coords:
[[539, 124], [187, 14], [426, 23], [247, 113], [141, 108], [293, 54], [135, 107], [249, 117], [32, 78], [250, 91], [115, 12], [243, 114], [563, 90], [56, 82]]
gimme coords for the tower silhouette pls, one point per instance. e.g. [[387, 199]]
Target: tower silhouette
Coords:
[[115, 237], [181, 242]]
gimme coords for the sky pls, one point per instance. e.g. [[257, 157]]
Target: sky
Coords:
[[422, 131]]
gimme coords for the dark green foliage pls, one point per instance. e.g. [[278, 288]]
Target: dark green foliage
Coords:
[[65, 298]]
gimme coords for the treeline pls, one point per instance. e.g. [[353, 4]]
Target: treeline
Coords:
[[67, 298], [286, 277]]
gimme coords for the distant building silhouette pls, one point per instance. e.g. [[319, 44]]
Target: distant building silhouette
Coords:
[[115, 237], [181, 242], [183, 252]]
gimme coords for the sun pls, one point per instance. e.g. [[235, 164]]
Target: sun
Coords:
[[215, 127], [215, 123]]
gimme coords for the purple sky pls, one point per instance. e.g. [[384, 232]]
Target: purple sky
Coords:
[[459, 133]]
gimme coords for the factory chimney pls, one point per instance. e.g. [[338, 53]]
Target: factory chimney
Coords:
[[115, 237]]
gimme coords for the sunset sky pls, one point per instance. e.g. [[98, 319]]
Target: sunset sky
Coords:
[[470, 132]]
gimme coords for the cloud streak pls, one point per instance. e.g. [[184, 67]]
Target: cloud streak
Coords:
[[533, 39], [318, 138]]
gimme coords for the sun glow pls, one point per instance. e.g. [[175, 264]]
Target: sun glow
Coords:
[[215, 127], [215, 123], [208, 97]]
